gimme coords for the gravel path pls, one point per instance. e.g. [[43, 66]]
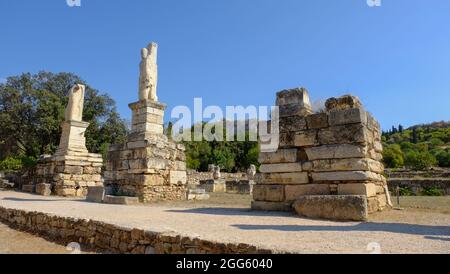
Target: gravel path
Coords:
[[399, 232]]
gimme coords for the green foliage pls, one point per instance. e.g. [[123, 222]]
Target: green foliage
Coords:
[[32, 110], [405, 191], [393, 156], [418, 160], [231, 156], [432, 191], [16, 163], [421, 147]]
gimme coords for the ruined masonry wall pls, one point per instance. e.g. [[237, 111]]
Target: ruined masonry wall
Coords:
[[68, 175], [152, 169], [337, 152]]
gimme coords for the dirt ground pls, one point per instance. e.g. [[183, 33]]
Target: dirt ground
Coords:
[[17, 242]]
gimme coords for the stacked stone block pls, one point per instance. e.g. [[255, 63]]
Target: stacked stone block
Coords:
[[148, 165], [66, 175], [335, 152]]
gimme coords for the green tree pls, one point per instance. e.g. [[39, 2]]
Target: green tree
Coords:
[[32, 110], [393, 156], [417, 160]]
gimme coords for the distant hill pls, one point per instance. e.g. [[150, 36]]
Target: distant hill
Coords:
[[418, 147], [441, 124]]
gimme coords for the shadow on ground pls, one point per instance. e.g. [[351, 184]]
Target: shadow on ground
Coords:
[[412, 229], [231, 212], [430, 232], [40, 200]]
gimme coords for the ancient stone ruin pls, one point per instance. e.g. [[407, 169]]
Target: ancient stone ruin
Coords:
[[328, 164], [148, 166], [72, 169]]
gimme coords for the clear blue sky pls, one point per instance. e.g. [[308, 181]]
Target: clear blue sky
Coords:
[[396, 57]]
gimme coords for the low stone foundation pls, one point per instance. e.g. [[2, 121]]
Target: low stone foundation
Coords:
[[66, 175], [114, 239]]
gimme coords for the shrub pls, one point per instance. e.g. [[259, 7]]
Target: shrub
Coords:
[[432, 191], [393, 156], [419, 160], [405, 191], [13, 164]]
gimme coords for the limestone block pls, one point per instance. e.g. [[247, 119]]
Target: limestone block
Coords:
[[307, 166], [343, 208], [317, 121], [92, 170], [296, 96], [178, 177], [180, 165], [29, 188], [214, 186], [378, 147], [281, 168], [336, 152], [348, 116], [96, 194], [368, 190], [294, 102], [44, 189], [268, 193], [382, 201], [293, 192], [285, 178], [286, 140], [281, 156], [156, 163], [137, 144], [347, 134], [66, 192], [372, 205], [271, 206], [76, 170], [306, 138], [351, 164], [120, 200], [197, 194], [343, 103], [292, 124], [346, 176]]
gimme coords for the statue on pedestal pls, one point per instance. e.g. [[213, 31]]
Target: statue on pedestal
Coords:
[[148, 79], [74, 110]]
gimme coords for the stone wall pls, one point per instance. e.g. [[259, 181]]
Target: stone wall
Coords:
[[195, 177], [418, 185], [114, 239], [337, 152], [65, 175], [152, 169]]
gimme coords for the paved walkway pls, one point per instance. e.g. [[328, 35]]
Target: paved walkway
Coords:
[[276, 231]]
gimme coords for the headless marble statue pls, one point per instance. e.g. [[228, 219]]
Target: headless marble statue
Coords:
[[148, 79], [74, 110]]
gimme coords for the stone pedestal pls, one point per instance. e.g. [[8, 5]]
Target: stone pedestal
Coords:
[[337, 152], [72, 138], [214, 186], [148, 165], [69, 175]]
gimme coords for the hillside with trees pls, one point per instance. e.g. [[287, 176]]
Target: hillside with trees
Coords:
[[419, 147]]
